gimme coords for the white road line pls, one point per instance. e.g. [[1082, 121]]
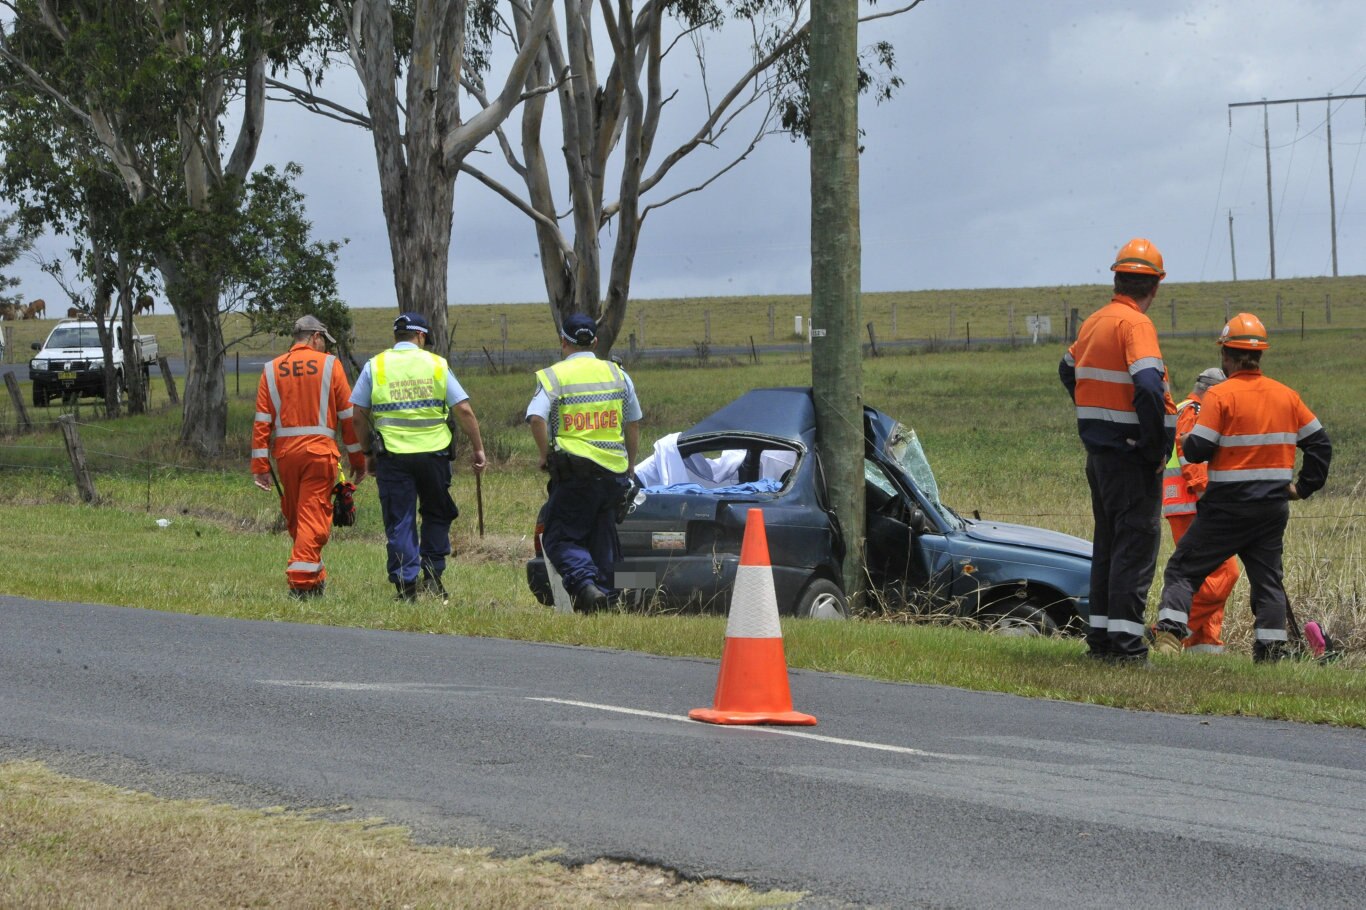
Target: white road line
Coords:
[[764, 728]]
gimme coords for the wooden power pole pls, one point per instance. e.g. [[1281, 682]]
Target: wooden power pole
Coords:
[[836, 364], [1266, 139]]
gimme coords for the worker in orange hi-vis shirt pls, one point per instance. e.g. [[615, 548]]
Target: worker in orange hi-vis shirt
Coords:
[[302, 399], [1248, 431], [1127, 422], [1182, 486]]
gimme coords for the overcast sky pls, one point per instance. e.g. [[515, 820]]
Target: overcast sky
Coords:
[[1030, 140]]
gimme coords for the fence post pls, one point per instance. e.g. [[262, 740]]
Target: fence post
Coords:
[[7, 334], [1279, 320], [1227, 315], [24, 424], [770, 321], [1328, 309], [872, 340], [640, 328], [76, 452], [894, 334], [1010, 319], [1173, 314], [953, 316], [706, 326], [170, 380]]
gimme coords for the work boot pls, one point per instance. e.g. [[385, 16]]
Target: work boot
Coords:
[[431, 583], [306, 593], [590, 599], [407, 591], [1165, 642], [1269, 651]]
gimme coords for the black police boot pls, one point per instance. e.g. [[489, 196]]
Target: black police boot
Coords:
[[407, 591], [590, 599], [431, 583]]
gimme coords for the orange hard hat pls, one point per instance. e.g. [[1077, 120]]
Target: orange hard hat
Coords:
[[1244, 331], [1140, 257]]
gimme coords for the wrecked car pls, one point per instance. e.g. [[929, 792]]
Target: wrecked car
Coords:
[[681, 534]]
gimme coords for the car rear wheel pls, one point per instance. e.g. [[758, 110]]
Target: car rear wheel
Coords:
[[822, 599]]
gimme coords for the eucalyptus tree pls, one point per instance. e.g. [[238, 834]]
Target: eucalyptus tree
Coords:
[[615, 124], [61, 181], [15, 240], [153, 82], [414, 58]]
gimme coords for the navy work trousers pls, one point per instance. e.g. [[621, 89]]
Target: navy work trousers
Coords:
[[1126, 502], [411, 485], [1252, 531], [580, 536]]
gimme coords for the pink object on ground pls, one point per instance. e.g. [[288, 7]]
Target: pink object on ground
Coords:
[[1314, 635]]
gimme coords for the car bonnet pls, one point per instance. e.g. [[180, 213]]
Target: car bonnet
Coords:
[[1026, 536]]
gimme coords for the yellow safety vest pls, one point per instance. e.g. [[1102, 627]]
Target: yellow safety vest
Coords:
[[408, 400], [587, 411]]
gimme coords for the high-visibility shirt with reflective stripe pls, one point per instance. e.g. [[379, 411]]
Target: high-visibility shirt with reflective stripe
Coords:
[[1248, 430], [587, 413], [1118, 382], [1182, 482], [303, 397], [408, 400]]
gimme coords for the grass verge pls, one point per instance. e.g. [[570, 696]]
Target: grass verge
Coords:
[[72, 843]]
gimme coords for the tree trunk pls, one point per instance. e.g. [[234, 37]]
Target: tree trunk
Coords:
[[420, 241], [204, 419], [836, 366]]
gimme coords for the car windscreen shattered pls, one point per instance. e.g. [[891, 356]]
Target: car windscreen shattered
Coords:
[[903, 447]]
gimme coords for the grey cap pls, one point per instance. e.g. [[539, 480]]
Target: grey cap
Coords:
[[312, 324], [1211, 377]]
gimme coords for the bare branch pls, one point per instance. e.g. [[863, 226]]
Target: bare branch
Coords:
[[460, 141], [517, 202], [319, 105]]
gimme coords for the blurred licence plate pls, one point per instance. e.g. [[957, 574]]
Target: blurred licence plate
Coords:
[[668, 540], [67, 377]]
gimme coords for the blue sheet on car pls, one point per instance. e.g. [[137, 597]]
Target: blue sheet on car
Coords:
[[766, 485]]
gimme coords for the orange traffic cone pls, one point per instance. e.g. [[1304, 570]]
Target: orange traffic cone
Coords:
[[752, 685]]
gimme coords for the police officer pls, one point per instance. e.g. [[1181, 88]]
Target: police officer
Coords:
[[407, 404], [584, 417], [302, 397], [1248, 429], [1127, 421]]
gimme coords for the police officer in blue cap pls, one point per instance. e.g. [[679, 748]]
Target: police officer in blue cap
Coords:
[[412, 402], [584, 417]]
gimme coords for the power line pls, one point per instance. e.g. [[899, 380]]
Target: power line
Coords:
[[1266, 138]]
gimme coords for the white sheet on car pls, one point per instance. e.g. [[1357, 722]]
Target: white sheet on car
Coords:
[[665, 467]]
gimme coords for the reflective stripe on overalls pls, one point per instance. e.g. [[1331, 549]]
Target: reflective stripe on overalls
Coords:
[[408, 401], [319, 427], [1177, 498], [587, 414]]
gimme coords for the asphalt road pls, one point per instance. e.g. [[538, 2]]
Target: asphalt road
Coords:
[[904, 796]]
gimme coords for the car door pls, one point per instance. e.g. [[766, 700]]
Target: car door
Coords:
[[903, 571]]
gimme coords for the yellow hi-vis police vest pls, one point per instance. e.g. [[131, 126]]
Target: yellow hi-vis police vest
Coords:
[[587, 413], [1177, 498], [408, 400]]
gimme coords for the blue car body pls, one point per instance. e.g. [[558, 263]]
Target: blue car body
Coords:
[[683, 541]]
